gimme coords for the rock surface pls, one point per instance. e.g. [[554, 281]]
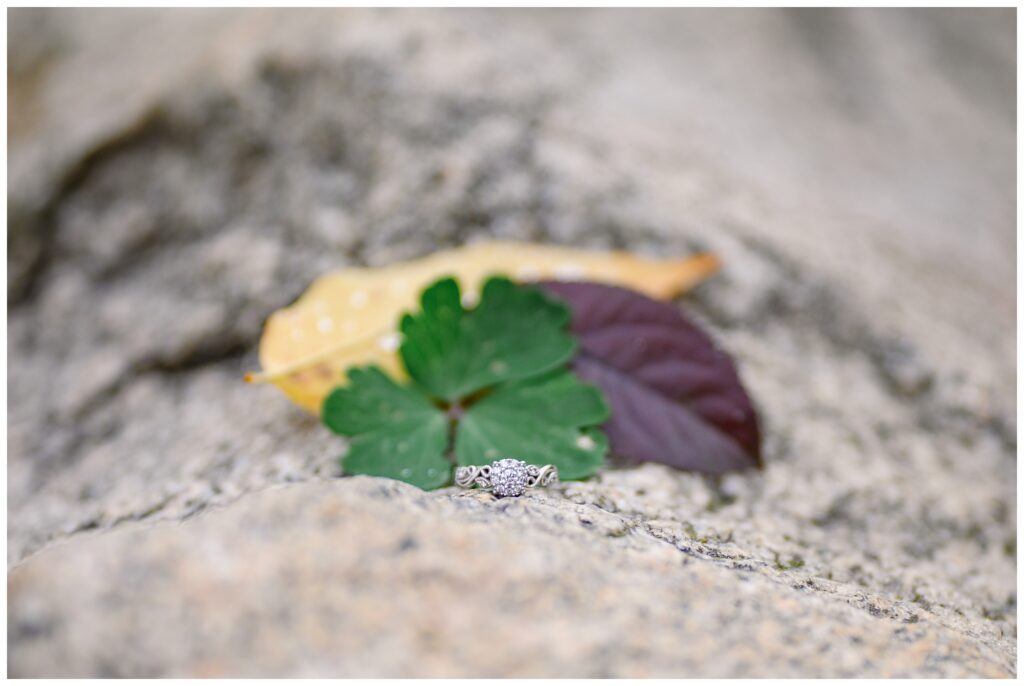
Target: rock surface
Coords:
[[855, 174], [363, 577]]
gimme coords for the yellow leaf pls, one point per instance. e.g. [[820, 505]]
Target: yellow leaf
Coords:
[[350, 317]]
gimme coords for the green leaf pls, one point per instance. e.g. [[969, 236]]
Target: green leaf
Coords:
[[540, 420], [515, 333], [397, 432], [498, 371]]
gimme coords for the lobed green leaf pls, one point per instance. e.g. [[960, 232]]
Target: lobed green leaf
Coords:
[[499, 368], [514, 333], [398, 432], [544, 420]]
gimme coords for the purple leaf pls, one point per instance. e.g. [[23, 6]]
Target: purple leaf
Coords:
[[675, 397]]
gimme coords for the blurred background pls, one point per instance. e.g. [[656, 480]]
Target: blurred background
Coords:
[[176, 175]]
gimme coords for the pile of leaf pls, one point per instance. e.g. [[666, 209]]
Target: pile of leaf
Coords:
[[548, 371]]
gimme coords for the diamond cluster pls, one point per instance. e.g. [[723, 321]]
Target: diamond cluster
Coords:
[[508, 477]]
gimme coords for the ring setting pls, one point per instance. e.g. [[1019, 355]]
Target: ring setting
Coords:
[[507, 477]]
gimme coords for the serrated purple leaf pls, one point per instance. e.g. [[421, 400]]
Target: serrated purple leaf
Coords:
[[675, 396]]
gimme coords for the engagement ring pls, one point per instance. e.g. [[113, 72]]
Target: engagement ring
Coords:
[[506, 477]]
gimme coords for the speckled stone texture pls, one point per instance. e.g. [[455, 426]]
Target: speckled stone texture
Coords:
[[854, 172]]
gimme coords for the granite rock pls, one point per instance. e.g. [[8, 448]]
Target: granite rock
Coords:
[[166, 198], [366, 577]]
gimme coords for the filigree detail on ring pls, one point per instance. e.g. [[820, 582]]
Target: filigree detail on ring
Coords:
[[538, 477], [468, 476]]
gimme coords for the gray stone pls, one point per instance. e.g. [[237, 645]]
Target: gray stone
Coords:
[[356, 578], [857, 182]]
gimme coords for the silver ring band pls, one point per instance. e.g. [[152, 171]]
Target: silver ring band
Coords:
[[508, 477]]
